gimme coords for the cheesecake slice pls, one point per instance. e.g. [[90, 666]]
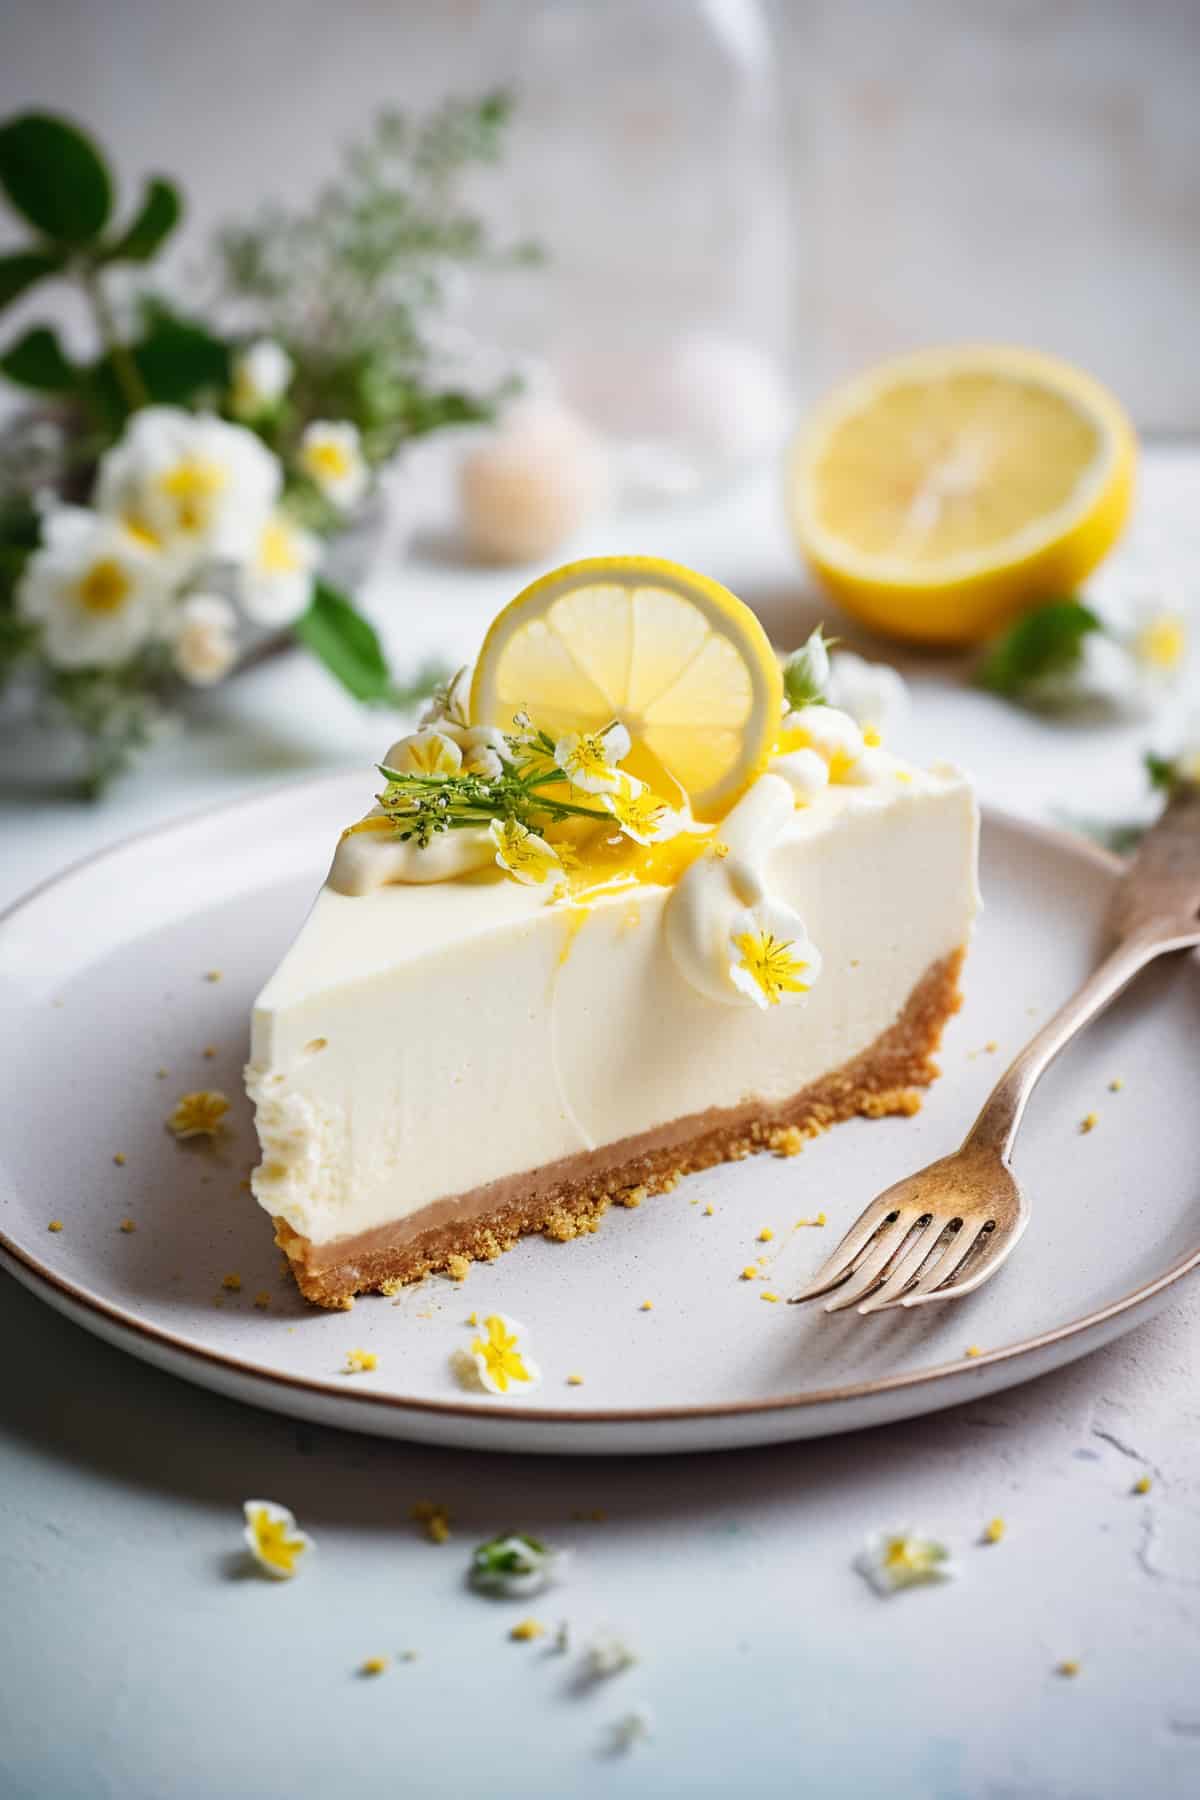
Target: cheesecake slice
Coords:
[[449, 1057]]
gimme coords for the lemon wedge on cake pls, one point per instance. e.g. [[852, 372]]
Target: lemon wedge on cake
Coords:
[[939, 495], [684, 665]]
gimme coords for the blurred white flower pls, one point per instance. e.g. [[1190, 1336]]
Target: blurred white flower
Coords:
[[450, 700], [1104, 674], [277, 581], [203, 643], [197, 487], [331, 456], [874, 694], [893, 1560], [261, 373], [1156, 634], [97, 590]]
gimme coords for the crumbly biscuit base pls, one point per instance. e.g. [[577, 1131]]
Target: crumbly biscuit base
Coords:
[[570, 1197]]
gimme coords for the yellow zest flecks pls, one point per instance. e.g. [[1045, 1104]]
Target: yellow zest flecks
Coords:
[[374, 1665], [522, 854], [994, 1530], [765, 1235], [973, 1350], [769, 1296], [646, 1306], [193, 485], [574, 1380], [200, 1114], [1089, 1122], [105, 588], [212, 975], [708, 1212], [433, 1518], [55, 1225], [819, 1220], [527, 1630], [1142, 1485], [361, 1362], [749, 1273], [232, 1283], [127, 1226], [274, 1540], [1116, 1084], [1069, 1667], [262, 1299], [473, 1318], [500, 1359], [119, 1158]]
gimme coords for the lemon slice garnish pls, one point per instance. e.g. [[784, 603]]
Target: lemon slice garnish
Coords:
[[940, 494], [685, 666]]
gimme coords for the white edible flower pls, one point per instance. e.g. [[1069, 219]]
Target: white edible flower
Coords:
[[806, 672], [97, 590], [516, 1566], [903, 1559], [609, 1655], [203, 640], [805, 772], [483, 750], [426, 752], [589, 758], [277, 582], [772, 959], [198, 487], [832, 733], [501, 1361], [450, 700], [274, 1539], [261, 373], [640, 813], [1155, 632], [636, 1727], [524, 855], [874, 694], [331, 456]]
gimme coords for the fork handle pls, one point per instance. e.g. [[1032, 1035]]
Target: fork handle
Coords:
[[997, 1124]]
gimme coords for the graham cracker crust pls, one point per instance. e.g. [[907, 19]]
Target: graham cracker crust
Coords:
[[570, 1197]]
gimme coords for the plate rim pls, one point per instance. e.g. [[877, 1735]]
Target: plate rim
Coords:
[[36, 1273]]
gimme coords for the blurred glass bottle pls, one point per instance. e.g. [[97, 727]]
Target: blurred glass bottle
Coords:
[[647, 158]]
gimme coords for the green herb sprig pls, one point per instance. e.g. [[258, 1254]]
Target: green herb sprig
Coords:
[[419, 806]]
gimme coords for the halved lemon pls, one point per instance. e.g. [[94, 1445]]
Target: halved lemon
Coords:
[[941, 494], [678, 659]]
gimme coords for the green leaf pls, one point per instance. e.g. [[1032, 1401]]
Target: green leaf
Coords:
[[1045, 642], [1161, 771], [179, 364], [339, 636], [37, 361], [160, 212], [23, 270], [55, 178]]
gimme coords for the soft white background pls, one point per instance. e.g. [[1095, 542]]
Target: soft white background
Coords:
[[1020, 169]]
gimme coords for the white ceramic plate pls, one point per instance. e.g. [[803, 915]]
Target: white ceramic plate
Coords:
[[103, 983]]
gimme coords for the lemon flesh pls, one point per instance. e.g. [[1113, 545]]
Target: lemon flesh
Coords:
[[684, 665], [942, 494]]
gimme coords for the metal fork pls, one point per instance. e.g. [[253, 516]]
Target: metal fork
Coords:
[[943, 1232]]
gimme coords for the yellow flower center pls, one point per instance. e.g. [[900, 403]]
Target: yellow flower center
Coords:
[[277, 550], [769, 962], [500, 1354], [193, 485], [275, 1545], [588, 756], [1162, 644], [328, 461], [105, 587], [640, 812]]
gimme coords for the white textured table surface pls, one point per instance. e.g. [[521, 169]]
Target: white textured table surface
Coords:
[[137, 1662]]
